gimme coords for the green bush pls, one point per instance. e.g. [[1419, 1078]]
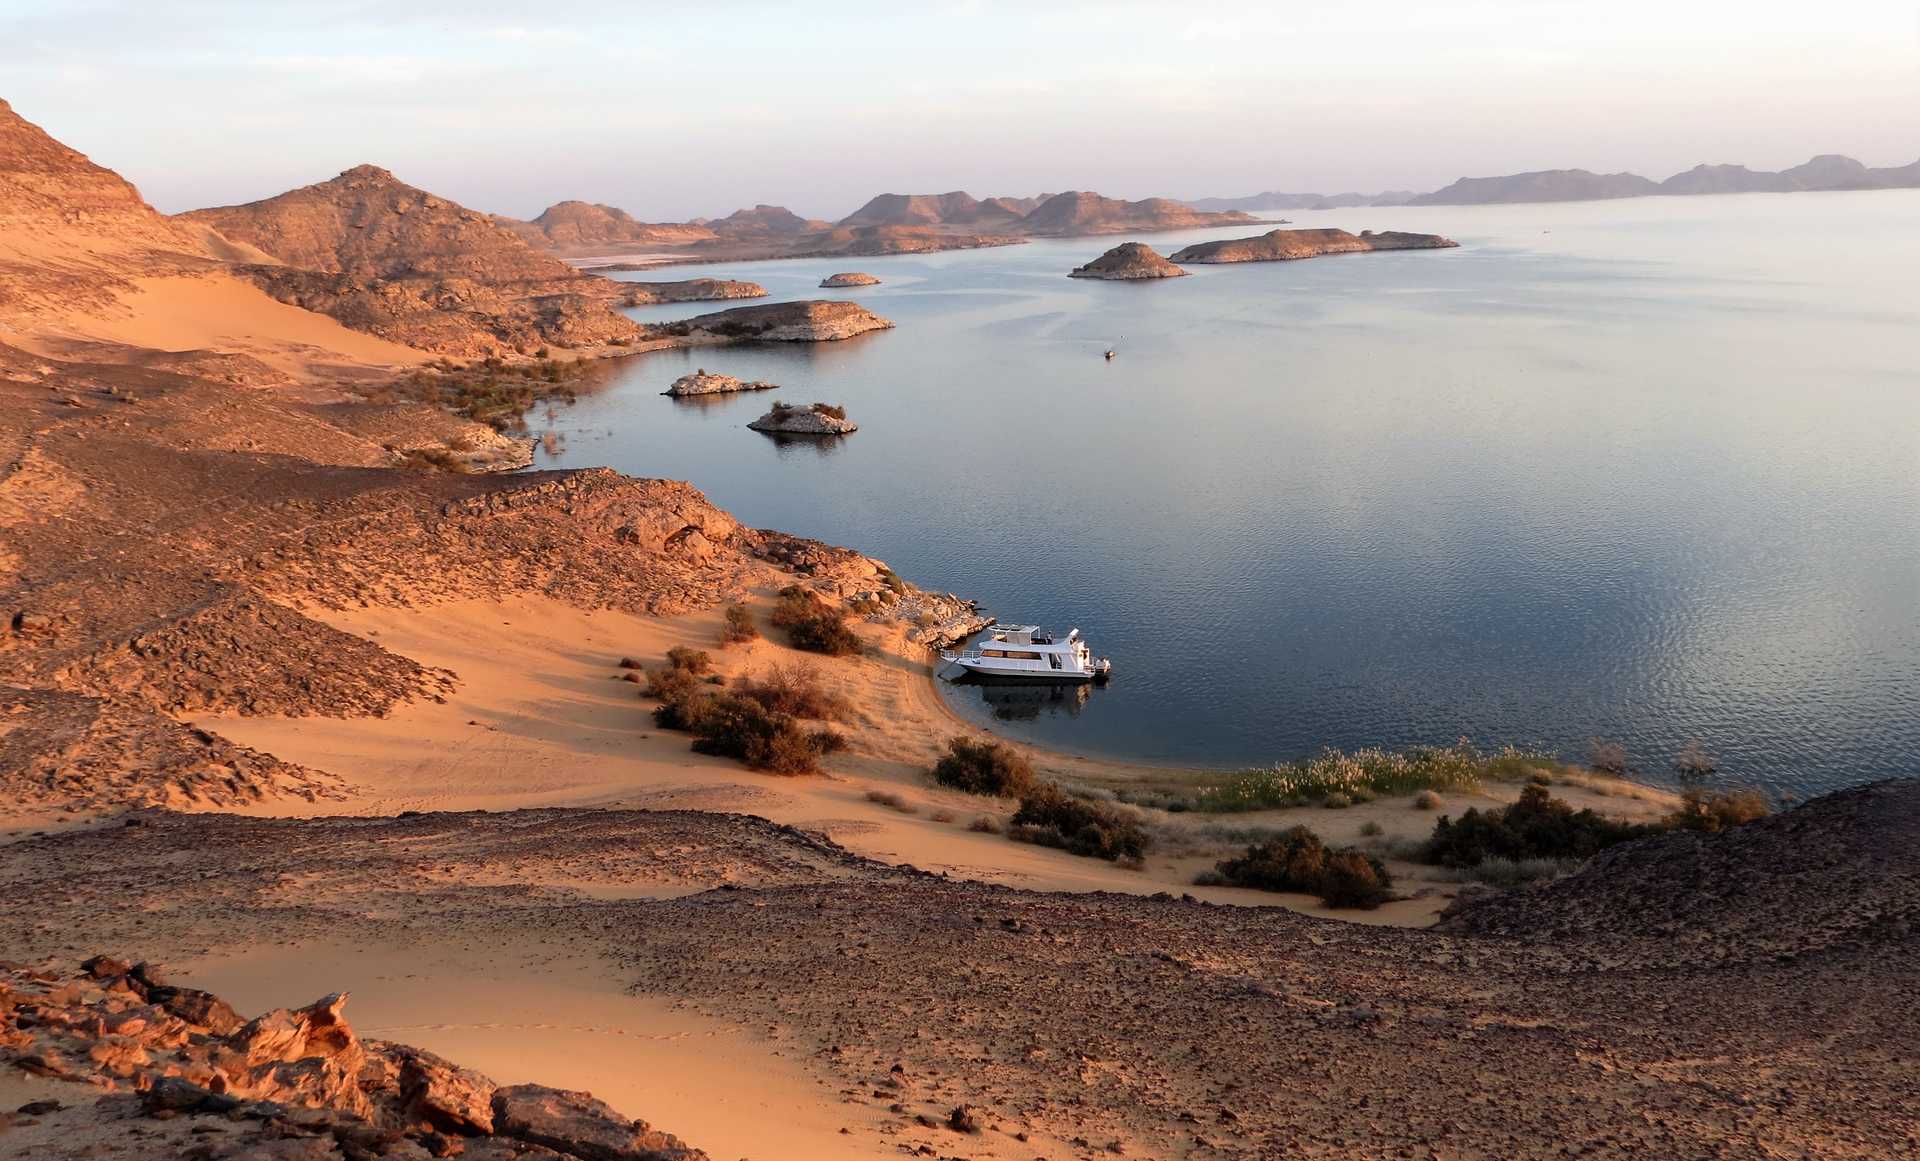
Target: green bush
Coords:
[[739, 626], [1369, 773], [1538, 826], [1052, 817], [1296, 860], [984, 767], [812, 624]]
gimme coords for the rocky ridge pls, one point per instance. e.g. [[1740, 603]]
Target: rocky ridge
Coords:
[[1288, 245], [1126, 262], [288, 1084]]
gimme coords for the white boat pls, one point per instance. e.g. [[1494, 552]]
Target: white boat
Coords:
[[1030, 651]]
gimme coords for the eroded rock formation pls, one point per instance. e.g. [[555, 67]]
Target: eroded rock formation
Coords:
[[1288, 245], [1126, 262]]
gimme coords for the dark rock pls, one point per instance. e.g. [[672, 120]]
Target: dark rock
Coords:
[[577, 1123]]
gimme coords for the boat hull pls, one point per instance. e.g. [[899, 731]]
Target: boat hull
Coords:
[[989, 668]]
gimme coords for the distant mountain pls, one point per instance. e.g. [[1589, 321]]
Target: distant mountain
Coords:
[[1076, 213], [765, 222], [1274, 200], [1547, 185], [573, 223], [1829, 171], [948, 209]]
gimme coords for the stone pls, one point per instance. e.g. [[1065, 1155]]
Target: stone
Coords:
[[820, 419], [577, 1123]]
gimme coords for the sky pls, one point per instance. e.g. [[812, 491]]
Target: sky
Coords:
[[694, 109]]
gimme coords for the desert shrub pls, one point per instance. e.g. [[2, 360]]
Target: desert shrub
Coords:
[[1296, 860], [985, 824], [743, 729], [812, 624], [1693, 765], [830, 410], [1608, 757], [1354, 879], [891, 801], [490, 390], [1372, 829], [795, 690], [1501, 872], [1051, 817], [1713, 813], [1336, 801], [1369, 773], [1428, 800], [669, 684], [984, 767], [739, 627], [694, 661], [1538, 826]]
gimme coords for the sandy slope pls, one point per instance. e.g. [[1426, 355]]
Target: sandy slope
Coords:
[[217, 311], [541, 719]]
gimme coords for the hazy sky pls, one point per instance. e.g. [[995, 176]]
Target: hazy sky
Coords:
[[673, 110]]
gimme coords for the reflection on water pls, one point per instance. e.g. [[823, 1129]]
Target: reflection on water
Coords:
[[1010, 699], [1650, 476], [789, 443]]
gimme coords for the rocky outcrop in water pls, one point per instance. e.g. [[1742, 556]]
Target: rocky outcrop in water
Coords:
[[782, 322], [241, 1088], [1127, 262], [703, 383], [690, 290], [849, 279], [1288, 245], [820, 419]]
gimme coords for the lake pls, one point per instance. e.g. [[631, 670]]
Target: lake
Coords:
[[1642, 470]]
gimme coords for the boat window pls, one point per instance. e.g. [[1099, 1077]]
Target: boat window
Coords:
[[1055, 660]]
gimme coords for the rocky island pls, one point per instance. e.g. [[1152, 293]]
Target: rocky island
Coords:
[[1127, 262], [782, 322], [690, 290], [702, 383], [849, 279], [1288, 245], [819, 419]]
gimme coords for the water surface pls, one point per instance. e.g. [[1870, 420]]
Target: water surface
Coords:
[[1645, 470]]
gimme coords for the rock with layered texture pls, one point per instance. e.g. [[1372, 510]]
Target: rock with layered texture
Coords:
[[820, 419], [690, 290], [703, 383], [850, 278], [1127, 262], [577, 1124], [1289, 245], [784, 322]]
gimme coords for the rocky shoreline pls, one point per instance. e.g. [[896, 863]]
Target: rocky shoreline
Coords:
[[849, 279], [817, 321]]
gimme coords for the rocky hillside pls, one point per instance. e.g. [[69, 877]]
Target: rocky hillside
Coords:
[[585, 225], [1287, 245], [1840, 871], [786, 322], [48, 189], [387, 258], [1126, 262], [957, 208], [201, 1081]]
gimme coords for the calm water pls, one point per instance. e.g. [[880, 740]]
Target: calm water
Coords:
[[1645, 470]]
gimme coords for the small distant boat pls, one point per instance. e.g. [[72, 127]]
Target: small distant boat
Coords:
[[1032, 652], [1109, 354]]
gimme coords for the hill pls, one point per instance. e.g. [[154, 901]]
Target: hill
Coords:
[[586, 224], [1128, 262], [1077, 213], [393, 260], [1547, 185]]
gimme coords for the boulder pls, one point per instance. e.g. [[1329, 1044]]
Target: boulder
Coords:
[[702, 383], [578, 1124], [820, 419]]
